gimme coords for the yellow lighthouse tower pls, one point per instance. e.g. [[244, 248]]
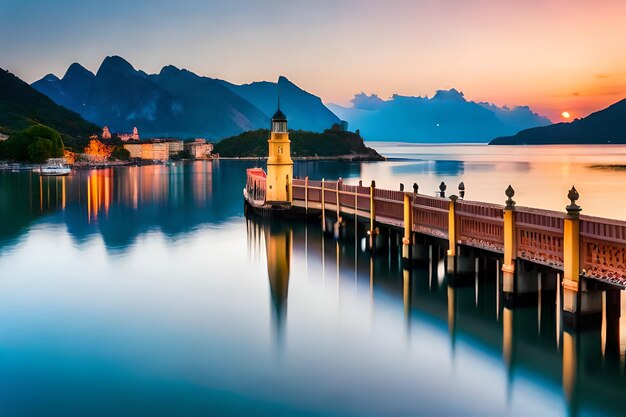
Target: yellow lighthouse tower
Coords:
[[279, 163]]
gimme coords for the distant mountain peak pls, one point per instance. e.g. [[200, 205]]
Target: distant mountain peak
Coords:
[[115, 64], [170, 69], [601, 127], [446, 117], [452, 95], [362, 101], [50, 78], [77, 70]]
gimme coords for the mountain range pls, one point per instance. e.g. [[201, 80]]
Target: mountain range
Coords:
[[22, 106], [602, 127], [179, 103], [446, 117]]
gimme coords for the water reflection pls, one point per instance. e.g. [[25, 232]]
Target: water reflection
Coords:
[[278, 242], [120, 204], [587, 366], [180, 309], [541, 175]]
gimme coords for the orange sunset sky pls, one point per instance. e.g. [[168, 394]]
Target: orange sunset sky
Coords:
[[555, 56]]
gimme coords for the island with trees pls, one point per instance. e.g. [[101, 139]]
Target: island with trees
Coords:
[[333, 144]]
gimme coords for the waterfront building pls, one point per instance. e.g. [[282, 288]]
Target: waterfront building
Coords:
[[125, 137], [155, 151], [199, 148], [106, 134], [134, 149], [175, 146], [3, 137], [163, 149]]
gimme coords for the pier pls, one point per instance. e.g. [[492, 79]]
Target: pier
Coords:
[[587, 252], [587, 255]]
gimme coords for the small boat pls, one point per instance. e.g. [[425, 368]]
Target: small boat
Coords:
[[55, 170]]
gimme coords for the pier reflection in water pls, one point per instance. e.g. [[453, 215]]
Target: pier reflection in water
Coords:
[[529, 340], [143, 301]]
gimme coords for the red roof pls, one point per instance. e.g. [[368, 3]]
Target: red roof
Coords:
[[257, 172]]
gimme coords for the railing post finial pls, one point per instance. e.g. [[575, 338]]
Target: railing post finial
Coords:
[[509, 192], [415, 187], [401, 187], [573, 209], [442, 189], [461, 189]]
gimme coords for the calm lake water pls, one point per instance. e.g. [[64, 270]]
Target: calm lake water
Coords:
[[145, 291]]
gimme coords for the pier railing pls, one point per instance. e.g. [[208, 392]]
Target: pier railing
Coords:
[[603, 248], [538, 235]]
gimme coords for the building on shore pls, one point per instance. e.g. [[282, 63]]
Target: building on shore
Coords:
[[174, 145], [134, 149], [125, 137], [155, 151], [162, 149], [199, 148], [3, 137]]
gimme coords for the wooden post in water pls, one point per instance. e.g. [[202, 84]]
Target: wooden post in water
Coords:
[[339, 183], [372, 231], [306, 194], [408, 228], [323, 208], [582, 306], [510, 244], [451, 234], [338, 206]]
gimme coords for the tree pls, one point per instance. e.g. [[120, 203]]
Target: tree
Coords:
[[40, 150], [120, 153], [44, 132], [18, 146]]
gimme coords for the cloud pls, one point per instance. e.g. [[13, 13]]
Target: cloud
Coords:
[[362, 101]]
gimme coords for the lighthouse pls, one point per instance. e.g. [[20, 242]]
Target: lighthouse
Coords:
[[279, 163]]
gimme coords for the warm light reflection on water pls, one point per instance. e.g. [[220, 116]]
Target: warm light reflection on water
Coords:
[[144, 291], [540, 175]]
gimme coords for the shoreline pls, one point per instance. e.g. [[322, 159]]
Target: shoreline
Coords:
[[340, 158]]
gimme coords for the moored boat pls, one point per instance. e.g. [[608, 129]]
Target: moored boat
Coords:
[[55, 170]]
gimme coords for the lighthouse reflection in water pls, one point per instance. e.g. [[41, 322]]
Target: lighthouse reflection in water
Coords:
[[277, 237], [525, 343]]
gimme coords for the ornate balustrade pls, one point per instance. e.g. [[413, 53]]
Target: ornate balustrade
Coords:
[[389, 204], [480, 225], [430, 215], [603, 248], [540, 236]]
